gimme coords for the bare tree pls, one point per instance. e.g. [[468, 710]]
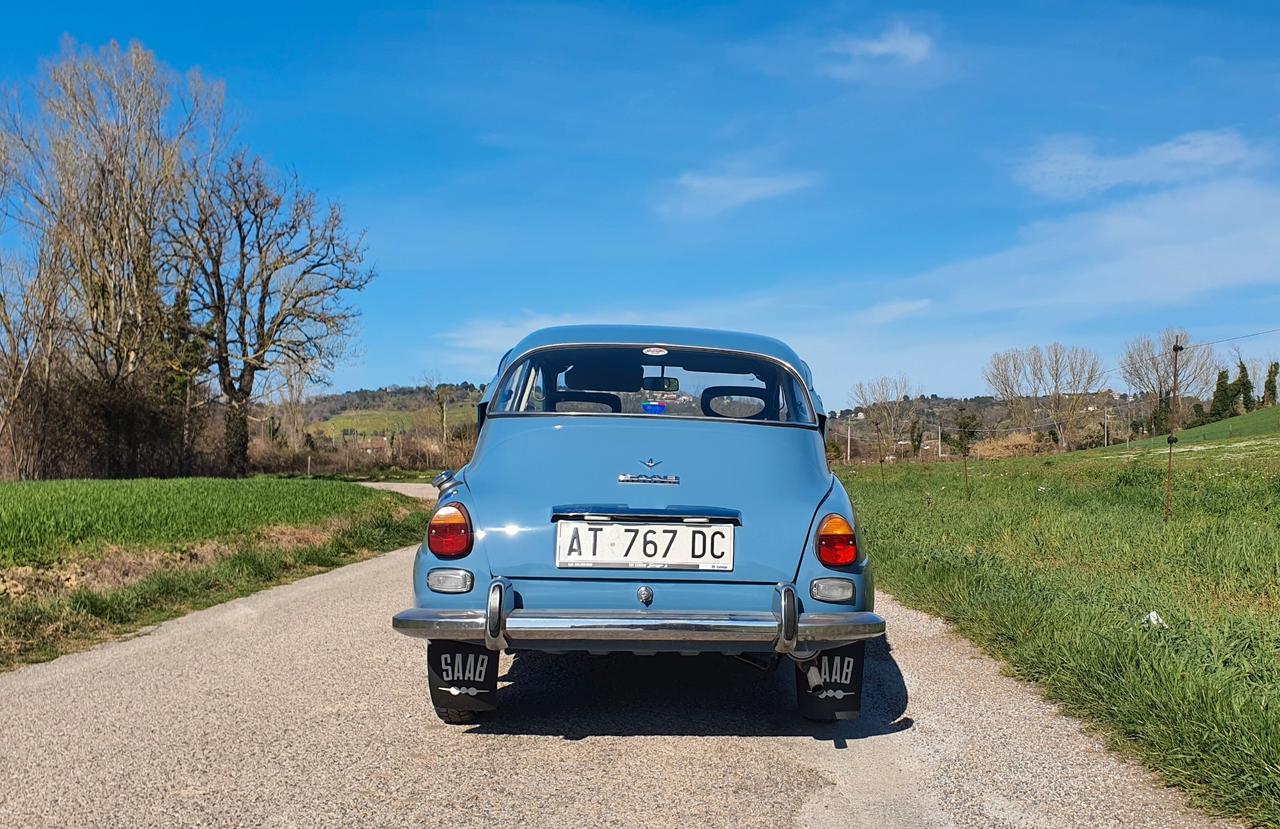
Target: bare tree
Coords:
[[1011, 379], [30, 328], [271, 273], [1148, 366], [889, 403], [1067, 376], [92, 173]]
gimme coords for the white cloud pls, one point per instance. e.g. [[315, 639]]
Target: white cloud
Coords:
[[703, 195], [1069, 168], [1095, 269], [899, 45]]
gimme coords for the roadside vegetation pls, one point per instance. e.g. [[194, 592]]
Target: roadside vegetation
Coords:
[[84, 561], [1167, 636]]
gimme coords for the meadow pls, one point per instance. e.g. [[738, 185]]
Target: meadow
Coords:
[[84, 561], [1055, 565]]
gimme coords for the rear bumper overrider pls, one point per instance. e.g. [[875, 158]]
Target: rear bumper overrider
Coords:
[[501, 626]]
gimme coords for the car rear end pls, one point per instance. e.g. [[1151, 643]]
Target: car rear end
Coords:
[[622, 499]]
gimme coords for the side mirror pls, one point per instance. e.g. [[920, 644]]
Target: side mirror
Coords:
[[661, 384]]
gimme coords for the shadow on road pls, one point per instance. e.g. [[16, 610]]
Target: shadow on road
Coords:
[[577, 696]]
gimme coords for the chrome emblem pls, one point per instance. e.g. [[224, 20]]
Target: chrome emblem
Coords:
[[645, 595], [648, 479], [650, 464]]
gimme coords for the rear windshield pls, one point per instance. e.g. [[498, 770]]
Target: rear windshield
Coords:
[[653, 382]]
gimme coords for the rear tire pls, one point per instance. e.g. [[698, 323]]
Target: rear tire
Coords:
[[457, 716]]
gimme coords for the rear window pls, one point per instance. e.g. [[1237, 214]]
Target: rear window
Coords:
[[653, 382]]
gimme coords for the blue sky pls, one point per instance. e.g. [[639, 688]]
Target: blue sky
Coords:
[[887, 188]]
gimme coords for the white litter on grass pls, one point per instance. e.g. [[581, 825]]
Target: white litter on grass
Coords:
[[1153, 621]]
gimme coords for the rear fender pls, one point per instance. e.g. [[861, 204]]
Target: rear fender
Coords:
[[860, 573], [476, 562]]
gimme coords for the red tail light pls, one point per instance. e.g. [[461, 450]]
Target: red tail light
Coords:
[[449, 533], [837, 546]]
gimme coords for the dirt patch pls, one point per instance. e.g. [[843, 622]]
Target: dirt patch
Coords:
[[291, 538], [117, 567]]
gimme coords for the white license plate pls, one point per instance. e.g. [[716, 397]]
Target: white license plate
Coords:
[[654, 546]]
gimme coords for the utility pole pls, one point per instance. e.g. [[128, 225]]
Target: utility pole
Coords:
[[939, 438], [1106, 438], [1173, 427], [848, 443]]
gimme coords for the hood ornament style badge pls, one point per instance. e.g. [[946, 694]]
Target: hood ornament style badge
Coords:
[[645, 595], [648, 479]]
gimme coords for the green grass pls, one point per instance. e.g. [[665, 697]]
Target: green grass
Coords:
[[1255, 424], [1053, 565], [162, 524], [42, 522]]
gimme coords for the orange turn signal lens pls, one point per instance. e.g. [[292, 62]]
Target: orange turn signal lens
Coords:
[[837, 546], [449, 533]]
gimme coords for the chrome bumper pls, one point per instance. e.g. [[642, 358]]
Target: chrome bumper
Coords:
[[501, 626]]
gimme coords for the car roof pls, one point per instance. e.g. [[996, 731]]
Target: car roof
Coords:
[[668, 335]]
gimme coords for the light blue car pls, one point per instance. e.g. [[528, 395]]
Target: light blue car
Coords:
[[644, 489]]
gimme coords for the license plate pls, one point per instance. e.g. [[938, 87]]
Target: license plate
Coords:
[[652, 546]]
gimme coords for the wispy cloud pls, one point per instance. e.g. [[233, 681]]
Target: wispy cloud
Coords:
[[887, 312], [1160, 252], [1068, 167], [703, 195], [899, 45]]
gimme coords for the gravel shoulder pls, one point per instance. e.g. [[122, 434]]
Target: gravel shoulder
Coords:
[[298, 706]]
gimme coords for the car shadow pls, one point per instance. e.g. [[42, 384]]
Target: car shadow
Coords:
[[576, 696]]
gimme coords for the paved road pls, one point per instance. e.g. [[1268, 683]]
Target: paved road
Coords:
[[427, 492], [299, 707]]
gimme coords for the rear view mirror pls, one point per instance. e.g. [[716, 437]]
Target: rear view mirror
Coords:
[[661, 384]]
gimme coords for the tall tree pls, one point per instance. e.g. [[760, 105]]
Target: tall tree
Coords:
[[889, 402], [1148, 367], [1068, 375], [272, 272], [1269, 389], [1011, 380], [1224, 397], [1244, 388]]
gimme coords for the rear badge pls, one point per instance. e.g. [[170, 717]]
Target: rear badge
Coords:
[[655, 351], [645, 595], [648, 479]]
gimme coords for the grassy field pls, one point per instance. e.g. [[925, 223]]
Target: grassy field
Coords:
[[1254, 424], [83, 561], [1054, 564]]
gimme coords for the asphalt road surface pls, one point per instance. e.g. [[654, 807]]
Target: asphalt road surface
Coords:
[[299, 706]]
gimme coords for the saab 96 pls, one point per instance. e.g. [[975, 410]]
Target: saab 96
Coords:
[[645, 489]]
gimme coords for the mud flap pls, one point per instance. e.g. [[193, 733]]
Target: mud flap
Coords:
[[462, 676], [829, 687]]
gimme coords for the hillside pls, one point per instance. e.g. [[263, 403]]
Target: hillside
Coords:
[[389, 410], [1261, 423]]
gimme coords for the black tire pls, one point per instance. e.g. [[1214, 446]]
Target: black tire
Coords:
[[457, 716]]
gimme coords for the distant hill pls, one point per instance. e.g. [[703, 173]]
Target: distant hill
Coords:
[[389, 410]]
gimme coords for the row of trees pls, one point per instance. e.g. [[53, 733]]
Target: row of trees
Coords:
[[1061, 391], [1233, 397], [152, 271]]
